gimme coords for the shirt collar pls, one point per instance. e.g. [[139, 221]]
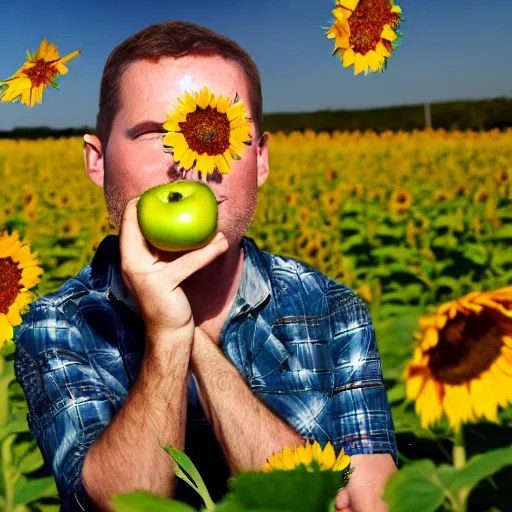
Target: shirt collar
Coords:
[[253, 290]]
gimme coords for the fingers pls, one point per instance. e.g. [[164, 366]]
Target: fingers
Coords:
[[136, 252], [342, 500], [193, 261]]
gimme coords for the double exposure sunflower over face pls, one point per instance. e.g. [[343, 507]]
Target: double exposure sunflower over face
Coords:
[[19, 272], [206, 132], [463, 365], [364, 33], [312, 457], [29, 82]]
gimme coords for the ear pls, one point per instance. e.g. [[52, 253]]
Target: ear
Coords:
[[94, 160], [262, 158]]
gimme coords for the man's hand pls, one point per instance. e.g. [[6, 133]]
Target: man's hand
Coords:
[[153, 276], [366, 486]]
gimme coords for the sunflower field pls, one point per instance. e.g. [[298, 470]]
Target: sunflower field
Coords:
[[419, 224]]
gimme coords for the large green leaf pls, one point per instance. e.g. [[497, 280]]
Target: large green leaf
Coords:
[[140, 501], [30, 490], [477, 468], [279, 490], [415, 488]]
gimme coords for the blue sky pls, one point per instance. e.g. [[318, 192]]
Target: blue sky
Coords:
[[452, 49]]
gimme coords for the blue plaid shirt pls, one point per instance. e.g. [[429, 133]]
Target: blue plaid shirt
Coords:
[[303, 343]]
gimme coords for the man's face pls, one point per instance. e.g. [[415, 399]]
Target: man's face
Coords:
[[135, 162]]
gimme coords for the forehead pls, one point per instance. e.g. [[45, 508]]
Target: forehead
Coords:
[[150, 89]]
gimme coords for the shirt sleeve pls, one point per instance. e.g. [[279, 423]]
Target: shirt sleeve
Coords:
[[68, 403], [357, 415]]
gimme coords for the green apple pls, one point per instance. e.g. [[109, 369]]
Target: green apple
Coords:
[[178, 216]]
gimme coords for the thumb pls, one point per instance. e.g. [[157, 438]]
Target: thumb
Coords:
[[342, 499]]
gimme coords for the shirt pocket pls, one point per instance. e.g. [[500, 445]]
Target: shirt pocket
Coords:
[[295, 357]]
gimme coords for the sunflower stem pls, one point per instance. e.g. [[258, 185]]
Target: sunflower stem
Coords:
[[459, 461]]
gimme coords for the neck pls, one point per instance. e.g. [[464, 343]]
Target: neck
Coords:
[[212, 290]]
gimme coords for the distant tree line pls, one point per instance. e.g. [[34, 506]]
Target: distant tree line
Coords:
[[454, 115]]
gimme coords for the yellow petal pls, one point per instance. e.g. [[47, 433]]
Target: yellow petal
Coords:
[[342, 461], [388, 33], [305, 454], [457, 405], [317, 452], [188, 158], [360, 64], [222, 164], [482, 397], [428, 404], [374, 60], [235, 111], [349, 4], [62, 70], [414, 384], [397, 9], [381, 49], [349, 57], [222, 104], [329, 456], [6, 330], [70, 56]]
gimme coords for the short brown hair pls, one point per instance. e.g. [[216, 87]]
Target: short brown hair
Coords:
[[171, 39]]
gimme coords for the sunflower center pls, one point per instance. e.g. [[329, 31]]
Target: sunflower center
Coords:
[[367, 22], [206, 130], [467, 347], [10, 277], [42, 72]]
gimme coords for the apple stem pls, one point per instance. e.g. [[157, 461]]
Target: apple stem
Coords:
[[174, 197]]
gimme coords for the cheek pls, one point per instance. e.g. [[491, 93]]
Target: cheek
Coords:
[[139, 165]]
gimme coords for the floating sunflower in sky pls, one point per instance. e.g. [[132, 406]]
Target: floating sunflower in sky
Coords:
[[364, 33], [207, 132], [463, 365], [311, 456], [29, 82], [19, 272]]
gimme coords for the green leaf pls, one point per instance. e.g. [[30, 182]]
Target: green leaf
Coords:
[[197, 483], [415, 488], [140, 501], [14, 425], [477, 468], [504, 233], [31, 461], [279, 489], [31, 490], [475, 253]]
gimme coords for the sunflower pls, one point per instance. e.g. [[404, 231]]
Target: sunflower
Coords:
[[29, 82], [207, 132], [501, 176], [310, 456], [463, 363], [19, 272], [481, 195], [68, 228], [400, 201], [364, 33]]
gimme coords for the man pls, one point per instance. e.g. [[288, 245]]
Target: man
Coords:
[[227, 351]]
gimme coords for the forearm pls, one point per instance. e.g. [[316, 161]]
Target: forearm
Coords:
[[127, 456], [248, 432]]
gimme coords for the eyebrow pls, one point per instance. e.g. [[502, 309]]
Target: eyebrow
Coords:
[[144, 126]]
